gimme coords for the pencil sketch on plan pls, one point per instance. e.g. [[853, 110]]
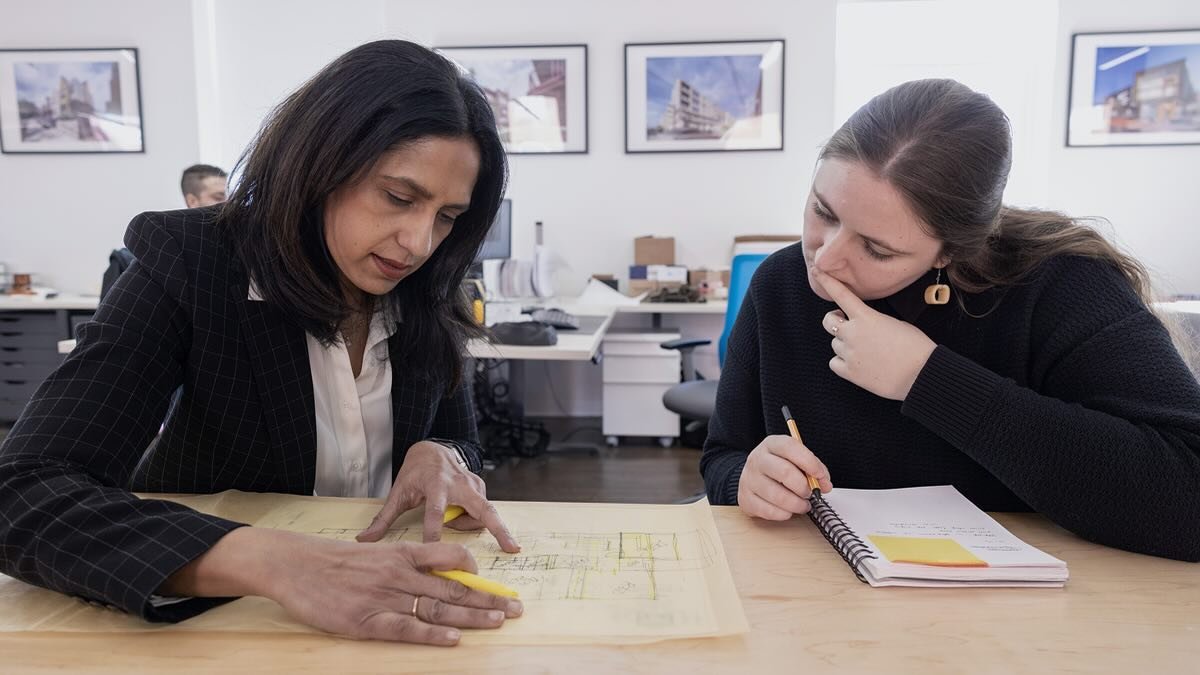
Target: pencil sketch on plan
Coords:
[[580, 566]]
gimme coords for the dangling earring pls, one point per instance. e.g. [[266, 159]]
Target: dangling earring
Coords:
[[937, 293]]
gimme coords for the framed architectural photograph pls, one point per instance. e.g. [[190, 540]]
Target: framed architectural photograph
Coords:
[[538, 93], [70, 100], [704, 96], [1135, 88]]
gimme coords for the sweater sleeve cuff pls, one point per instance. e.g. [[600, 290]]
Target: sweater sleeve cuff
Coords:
[[950, 395], [730, 495], [722, 479]]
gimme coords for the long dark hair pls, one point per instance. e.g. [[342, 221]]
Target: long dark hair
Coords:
[[330, 132], [948, 150]]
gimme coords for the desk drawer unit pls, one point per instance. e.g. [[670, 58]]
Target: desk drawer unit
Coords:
[[28, 353], [637, 372]]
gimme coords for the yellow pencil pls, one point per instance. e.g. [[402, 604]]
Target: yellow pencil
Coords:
[[791, 425], [476, 582]]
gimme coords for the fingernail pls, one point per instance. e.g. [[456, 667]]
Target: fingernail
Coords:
[[452, 635], [496, 615], [515, 608]]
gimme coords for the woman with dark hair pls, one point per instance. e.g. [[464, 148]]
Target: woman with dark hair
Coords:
[[1046, 384], [315, 325]]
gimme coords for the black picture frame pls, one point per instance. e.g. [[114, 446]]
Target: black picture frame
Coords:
[[71, 118], [1150, 84], [686, 126], [522, 109]]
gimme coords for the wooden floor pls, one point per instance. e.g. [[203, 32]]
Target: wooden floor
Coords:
[[628, 474], [641, 474]]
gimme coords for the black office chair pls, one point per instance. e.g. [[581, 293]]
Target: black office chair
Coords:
[[118, 261], [695, 398]]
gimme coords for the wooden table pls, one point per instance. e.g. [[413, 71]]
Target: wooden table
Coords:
[[1120, 612]]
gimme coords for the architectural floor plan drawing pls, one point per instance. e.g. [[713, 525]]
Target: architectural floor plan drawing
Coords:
[[587, 573], [581, 566]]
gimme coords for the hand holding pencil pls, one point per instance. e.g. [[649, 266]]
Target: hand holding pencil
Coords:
[[780, 476]]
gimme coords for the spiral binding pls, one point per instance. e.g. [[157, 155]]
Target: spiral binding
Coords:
[[839, 535]]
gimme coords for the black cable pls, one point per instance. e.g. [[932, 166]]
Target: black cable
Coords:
[[499, 434]]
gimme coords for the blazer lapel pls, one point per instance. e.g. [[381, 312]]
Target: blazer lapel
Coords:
[[412, 406], [279, 358]]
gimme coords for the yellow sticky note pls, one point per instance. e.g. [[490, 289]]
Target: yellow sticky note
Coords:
[[941, 552]]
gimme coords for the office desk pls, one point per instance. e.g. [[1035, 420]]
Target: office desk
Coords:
[[1120, 612], [582, 344], [30, 329], [64, 302]]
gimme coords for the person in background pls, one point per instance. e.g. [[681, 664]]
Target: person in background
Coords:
[[925, 333], [316, 325], [203, 185]]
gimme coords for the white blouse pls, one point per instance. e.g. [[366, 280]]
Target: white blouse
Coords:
[[353, 416]]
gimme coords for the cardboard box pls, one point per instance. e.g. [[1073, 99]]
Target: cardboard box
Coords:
[[762, 243], [639, 286], [714, 277], [652, 250]]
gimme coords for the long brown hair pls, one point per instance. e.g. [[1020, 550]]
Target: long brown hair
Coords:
[[375, 98], [948, 150]]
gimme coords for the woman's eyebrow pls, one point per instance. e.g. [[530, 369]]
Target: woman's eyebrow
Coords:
[[420, 190], [877, 242]]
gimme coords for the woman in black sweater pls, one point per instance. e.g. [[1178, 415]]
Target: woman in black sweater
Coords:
[[1045, 384]]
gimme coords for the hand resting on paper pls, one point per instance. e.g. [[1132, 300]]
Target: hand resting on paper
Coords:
[[774, 483], [432, 475], [379, 591]]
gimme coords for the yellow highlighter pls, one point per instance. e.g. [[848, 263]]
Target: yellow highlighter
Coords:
[[813, 483], [476, 582], [466, 578], [452, 511]]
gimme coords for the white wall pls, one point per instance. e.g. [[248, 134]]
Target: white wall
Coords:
[[883, 44], [259, 52], [60, 215], [211, 69], [604, 196], [1148, 193], [593, 205]]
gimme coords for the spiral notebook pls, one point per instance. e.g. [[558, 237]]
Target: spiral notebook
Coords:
[[928, 536]]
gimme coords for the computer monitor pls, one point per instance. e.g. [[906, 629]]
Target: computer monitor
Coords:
[[498, 243]]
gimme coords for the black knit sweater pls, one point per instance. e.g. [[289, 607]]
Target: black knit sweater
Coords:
[[1067, 398]]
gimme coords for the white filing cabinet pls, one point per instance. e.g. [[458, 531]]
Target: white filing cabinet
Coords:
[[637, 372]]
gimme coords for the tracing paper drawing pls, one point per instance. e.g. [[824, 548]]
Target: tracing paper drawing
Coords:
[[587, 573]]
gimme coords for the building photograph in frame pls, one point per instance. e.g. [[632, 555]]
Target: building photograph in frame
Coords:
[[1138, 88], [704, 96], [538, 93], [70, 100]]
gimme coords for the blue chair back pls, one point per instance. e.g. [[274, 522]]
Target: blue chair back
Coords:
[[740, 274]]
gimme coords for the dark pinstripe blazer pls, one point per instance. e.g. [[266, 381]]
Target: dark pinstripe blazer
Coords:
[[178, 316]]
